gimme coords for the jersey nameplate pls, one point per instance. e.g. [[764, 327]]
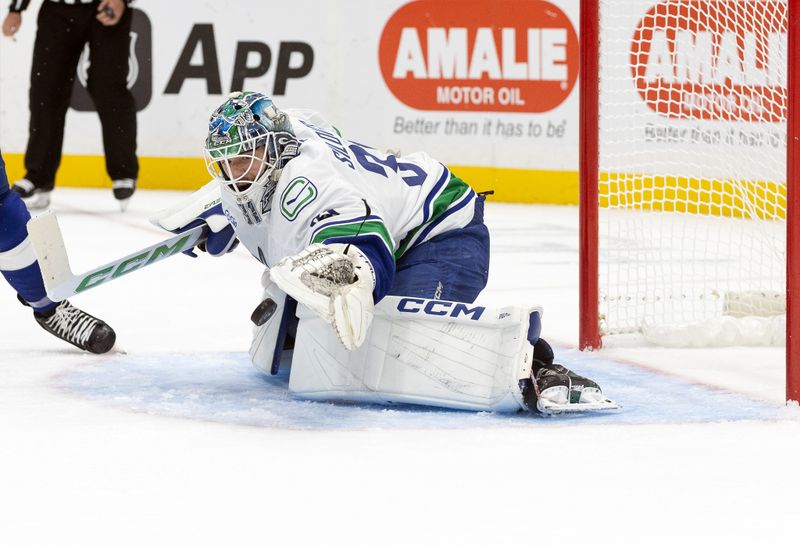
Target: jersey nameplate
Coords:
[[298, 194]]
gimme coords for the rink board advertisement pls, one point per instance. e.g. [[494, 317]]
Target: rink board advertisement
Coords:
[[489, 87], [693, 77], [694, 107], [486, 86]]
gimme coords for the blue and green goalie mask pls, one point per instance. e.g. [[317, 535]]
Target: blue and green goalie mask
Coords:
[[249, 142]]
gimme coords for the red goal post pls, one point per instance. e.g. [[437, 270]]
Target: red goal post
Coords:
[[687, 105]]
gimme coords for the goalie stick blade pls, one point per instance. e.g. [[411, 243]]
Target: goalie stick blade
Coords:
[[59, 280], [48, 246], [549, 408]]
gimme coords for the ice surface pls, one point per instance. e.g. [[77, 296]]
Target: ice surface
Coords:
[[226, 388], [175, 439]]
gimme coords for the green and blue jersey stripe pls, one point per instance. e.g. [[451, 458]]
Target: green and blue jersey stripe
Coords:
[[439, 205]]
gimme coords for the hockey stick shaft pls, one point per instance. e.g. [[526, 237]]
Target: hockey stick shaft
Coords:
[[59, 280]]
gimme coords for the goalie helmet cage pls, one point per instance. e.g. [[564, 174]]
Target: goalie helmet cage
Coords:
[[650, 54]]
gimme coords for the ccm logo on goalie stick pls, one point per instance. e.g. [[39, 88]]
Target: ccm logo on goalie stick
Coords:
[[133, 263], [439, 308]]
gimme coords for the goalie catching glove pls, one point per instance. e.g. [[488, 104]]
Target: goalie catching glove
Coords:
[[336, 282]]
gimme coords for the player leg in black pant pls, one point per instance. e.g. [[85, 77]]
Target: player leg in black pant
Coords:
[[108, 85], [60, 38]]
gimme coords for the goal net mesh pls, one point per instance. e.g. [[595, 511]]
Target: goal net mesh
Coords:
[[692, 189]]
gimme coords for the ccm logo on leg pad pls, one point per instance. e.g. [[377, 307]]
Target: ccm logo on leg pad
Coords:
[[439, 308]]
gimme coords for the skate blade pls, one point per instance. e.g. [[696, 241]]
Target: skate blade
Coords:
[[123, 204], [38, 202], [550, 408]]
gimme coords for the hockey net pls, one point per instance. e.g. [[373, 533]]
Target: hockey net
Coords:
[[690, 170]]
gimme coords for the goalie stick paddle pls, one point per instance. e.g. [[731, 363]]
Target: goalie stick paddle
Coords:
[[59, 280]]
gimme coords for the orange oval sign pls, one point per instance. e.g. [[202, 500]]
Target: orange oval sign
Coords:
[[715, 60], [480, 55]]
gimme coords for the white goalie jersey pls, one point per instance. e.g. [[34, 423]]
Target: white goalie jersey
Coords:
[[337, 190]]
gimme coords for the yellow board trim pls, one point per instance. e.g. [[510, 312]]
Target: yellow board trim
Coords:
[[705, 196], [89, 171], [522, 185], [731, 198], [188, 173]]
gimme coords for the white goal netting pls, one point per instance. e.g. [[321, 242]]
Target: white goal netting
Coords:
[[692, 166]]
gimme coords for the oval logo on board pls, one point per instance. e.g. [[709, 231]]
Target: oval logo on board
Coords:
[[480, 55]]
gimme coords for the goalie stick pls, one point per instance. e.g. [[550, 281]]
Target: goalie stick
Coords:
[[59, 280]]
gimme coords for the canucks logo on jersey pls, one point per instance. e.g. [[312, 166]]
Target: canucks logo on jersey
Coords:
[[298, 195]]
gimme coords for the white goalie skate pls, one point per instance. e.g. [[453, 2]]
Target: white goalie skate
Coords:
[[554, 389]]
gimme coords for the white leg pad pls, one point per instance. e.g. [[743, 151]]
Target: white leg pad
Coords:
[[265, 337], [418, 351]]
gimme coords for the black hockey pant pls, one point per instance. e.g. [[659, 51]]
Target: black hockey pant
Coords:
[[63, 30]]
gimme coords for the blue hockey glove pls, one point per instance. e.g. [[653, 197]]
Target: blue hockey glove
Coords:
[[202, 207], [221, 238]]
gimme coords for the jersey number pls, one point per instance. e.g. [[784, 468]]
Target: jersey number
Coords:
[[414, 175]]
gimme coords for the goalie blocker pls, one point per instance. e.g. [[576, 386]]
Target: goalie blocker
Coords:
[[427, 352]]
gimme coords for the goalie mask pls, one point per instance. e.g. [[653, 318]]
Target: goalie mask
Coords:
[[249, 142]]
